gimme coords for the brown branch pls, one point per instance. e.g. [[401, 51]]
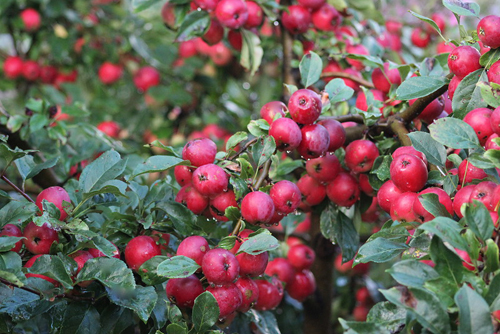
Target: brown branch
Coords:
[[345, 118], [355, 132], [412, 112], [343, 75], [17, 189], [398, 127], [247, 145], [46, 178]]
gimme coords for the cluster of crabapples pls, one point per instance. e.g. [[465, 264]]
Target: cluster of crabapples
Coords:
[[237, 281], [205, 189], [37, 240]]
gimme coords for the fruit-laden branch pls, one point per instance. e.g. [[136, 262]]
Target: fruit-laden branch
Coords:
[[46, 178], [355, 132], [343, 75]]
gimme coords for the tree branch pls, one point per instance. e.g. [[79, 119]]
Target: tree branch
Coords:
[[17, 189], [345, 118], [343, 75], [263, 175], [412, 112]]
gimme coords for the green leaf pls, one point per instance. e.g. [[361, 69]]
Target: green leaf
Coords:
[[433, 151], [149, 270], [415, 87], [285, 168], [105, 168], [371, 61], [480, 161], [232, 213], [492, 257], [448, 264], [227, 242], [8, 155], [424, 305], [388, 315], [355, 327], [259, 243], [454, 133], [104, 245], [493, 295], [194, 25], [235, 139], [265, 150], [21, 304], [479, 220], [412, 273], [265, 321], [177, 267], [115, 187], [338, 228], [258, 127], [490, 93], [53, 267], [489, 58], [240, 187], [205, 312], [380, 250], [310, 69], [251, 51], [467, 95], [177, 329], [431, 203], [142, 300], [291, 88], [7, 243], [462, 8], [28, 168], [447, 229], [429, 21], [157, 163], [381, 167], [81, 318], [247, 170], [178, 212], [10, 268], [140, 5], [493, 156], [338, 91], [474, 312], [110, 271]]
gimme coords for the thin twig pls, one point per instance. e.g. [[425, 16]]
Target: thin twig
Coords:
[[343, 75], [263, 175], [17, 189], [247, 145]]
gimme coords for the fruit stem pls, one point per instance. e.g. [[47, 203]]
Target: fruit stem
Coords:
[[237, 227], [17, 189], [343, 75], [263, 175]]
